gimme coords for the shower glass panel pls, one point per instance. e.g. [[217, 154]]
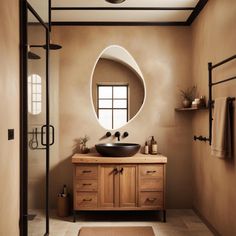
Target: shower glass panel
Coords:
[[37, 110]]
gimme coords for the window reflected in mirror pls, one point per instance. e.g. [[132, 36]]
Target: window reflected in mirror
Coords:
[[112, 105]]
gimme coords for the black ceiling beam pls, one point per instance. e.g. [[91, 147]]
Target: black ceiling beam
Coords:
[[117, 23], [122, 8], [201, 4]]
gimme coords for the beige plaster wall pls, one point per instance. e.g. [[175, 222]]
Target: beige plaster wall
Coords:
[[164, 57], [112, 72], [214, 37], [9, 118]]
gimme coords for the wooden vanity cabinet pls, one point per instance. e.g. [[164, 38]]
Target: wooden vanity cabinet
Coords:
[[134, 183]]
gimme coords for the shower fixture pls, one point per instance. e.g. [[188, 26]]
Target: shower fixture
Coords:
[[32, 56], [52, 46]]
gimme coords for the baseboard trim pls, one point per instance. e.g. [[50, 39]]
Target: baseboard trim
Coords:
[[206, 222]]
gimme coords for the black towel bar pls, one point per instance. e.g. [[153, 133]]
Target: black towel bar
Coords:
[[211, 101]]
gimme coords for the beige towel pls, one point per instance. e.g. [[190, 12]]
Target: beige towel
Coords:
[[222, 129]]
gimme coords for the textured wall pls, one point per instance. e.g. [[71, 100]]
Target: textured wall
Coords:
[[9, 117], [214, 37], [164, 57]]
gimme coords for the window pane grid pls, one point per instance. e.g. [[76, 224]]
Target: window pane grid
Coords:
[[34, 94], [115, 103]]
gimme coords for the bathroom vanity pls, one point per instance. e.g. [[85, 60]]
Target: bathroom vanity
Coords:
[[119, 184]]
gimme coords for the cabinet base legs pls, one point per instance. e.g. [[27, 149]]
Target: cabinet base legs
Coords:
[[164, 215], [74, 216]]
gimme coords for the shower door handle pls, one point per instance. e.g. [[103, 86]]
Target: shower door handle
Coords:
[[53, 134], [42, 135], [44, 132]]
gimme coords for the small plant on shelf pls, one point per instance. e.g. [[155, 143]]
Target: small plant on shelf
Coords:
[[83, 147], [188, 96]]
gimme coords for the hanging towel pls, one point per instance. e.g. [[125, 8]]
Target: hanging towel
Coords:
[[222, 128]]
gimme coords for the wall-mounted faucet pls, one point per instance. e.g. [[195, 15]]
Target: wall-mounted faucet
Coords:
[[117, 134], [126, 134], [108, 134]]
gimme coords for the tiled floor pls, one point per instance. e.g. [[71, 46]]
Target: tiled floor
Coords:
[[179, 223]]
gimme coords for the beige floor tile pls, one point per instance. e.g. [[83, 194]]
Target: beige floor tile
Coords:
[[179, 223]]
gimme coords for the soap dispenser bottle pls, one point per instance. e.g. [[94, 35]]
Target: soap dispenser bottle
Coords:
[[151, 143], [146, 148], [153, 146]]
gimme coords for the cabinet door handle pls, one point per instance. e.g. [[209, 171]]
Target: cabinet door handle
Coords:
[[87, 184], [151, 199], [87, 200], [121, 170], [115, 170], [87, 171], [151, 171]]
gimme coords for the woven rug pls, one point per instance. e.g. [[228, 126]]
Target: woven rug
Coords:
[[116, 231]]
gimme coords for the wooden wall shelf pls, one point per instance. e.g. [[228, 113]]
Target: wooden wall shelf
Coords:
[[190, 109]]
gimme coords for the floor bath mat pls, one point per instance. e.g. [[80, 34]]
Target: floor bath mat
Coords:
[[116, 231]]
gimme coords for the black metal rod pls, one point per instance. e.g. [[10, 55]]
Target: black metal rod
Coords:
[[200, 5], [225, 80], [229, 98], [50, 15], [223, 62], [37, 46], [210, 100], [200, 138], [47, 129], [36, 15], [23, 120], [122, 8]]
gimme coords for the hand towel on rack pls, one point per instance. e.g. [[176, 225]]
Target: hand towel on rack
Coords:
[[222, 128]]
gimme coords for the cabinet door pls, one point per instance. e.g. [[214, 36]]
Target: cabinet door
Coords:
[[107, 182], [128, 185]]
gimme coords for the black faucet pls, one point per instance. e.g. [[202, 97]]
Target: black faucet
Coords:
[[126, 134], [117, 134]]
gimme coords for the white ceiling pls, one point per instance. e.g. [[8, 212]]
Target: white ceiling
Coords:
[[41, 6], [130, 16]]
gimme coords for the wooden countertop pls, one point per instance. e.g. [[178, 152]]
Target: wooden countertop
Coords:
[[138, 158]]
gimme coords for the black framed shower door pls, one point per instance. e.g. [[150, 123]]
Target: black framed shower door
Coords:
[[28, 19]]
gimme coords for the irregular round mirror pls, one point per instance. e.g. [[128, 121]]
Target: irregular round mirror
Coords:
[[118, 89]]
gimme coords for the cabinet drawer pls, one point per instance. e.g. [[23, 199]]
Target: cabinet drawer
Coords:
[[147, 171], [151, 184], [86, 171], [86, 200], [86, 185], [151, 200]]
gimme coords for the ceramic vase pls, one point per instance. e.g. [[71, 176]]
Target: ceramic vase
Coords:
[[186, 103]]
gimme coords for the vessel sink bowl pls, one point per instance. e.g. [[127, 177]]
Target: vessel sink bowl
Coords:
[[117, 149]]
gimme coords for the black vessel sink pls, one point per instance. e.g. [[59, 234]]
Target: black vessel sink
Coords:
[[117, 149]]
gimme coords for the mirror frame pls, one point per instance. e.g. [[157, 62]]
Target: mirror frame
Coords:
[[139, 73]]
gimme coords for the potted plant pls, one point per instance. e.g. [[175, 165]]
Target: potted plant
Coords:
[[188, 96], [83, 147]]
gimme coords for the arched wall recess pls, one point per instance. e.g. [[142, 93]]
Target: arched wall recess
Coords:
[[118, 90]]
